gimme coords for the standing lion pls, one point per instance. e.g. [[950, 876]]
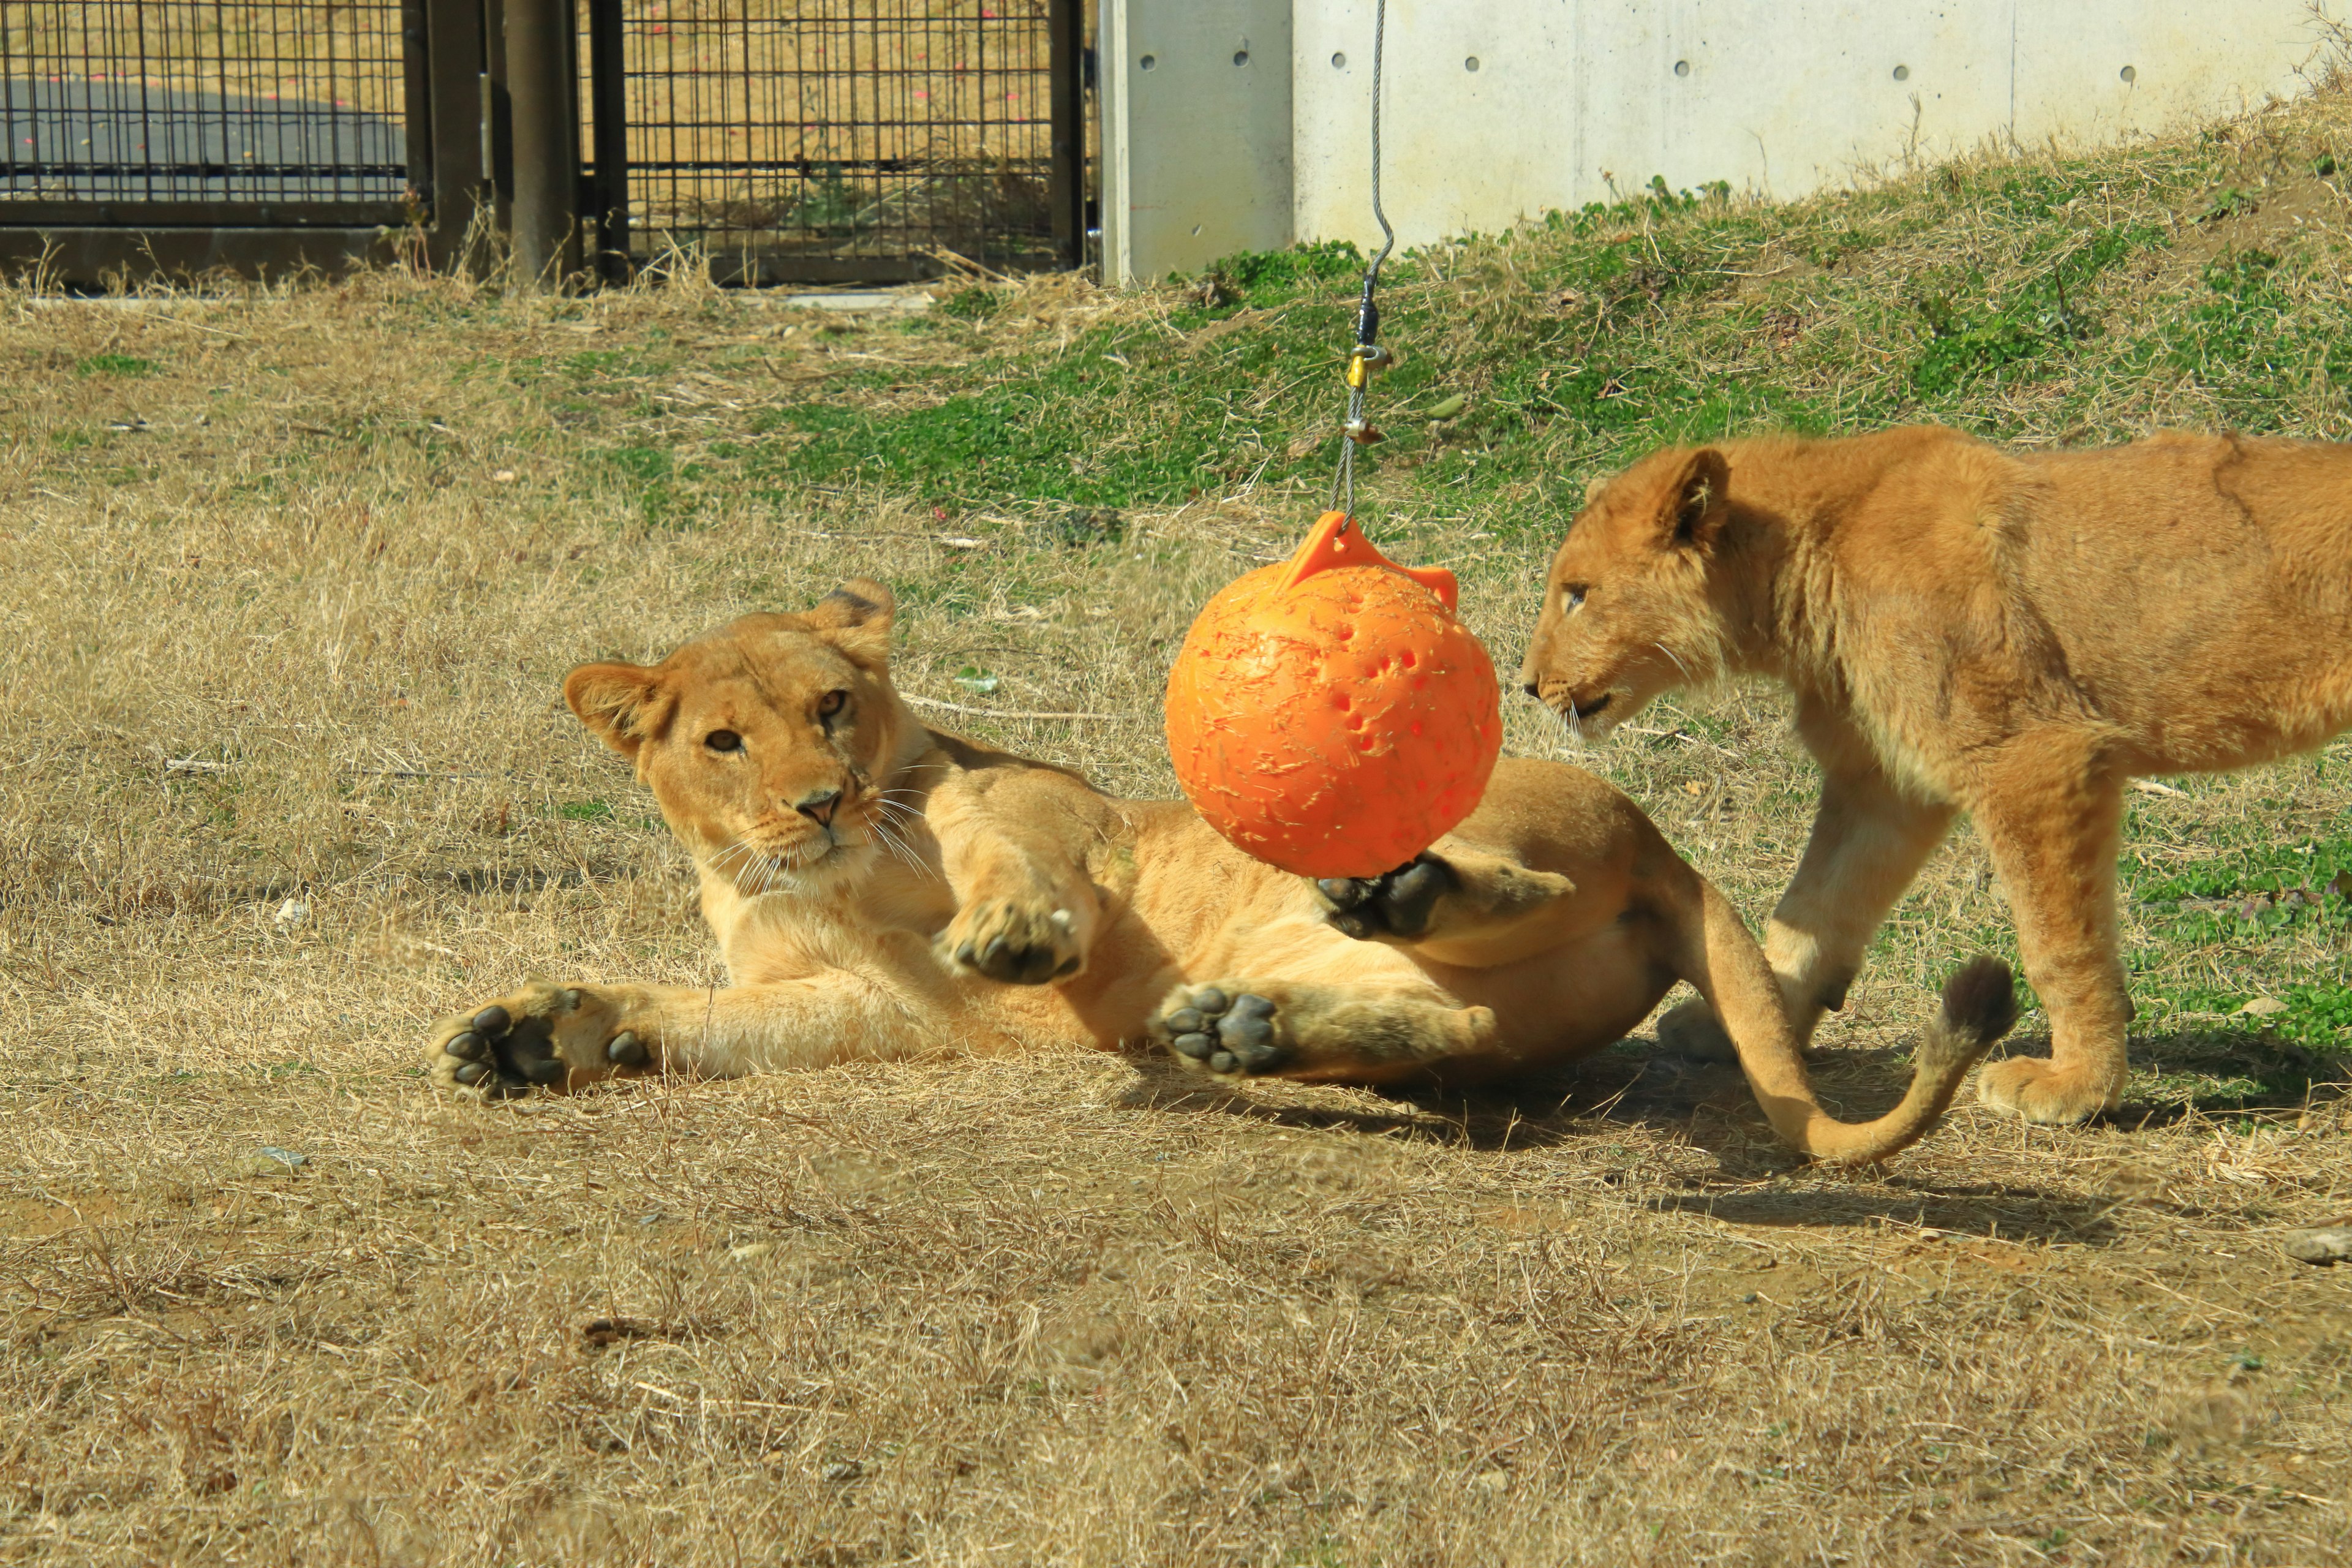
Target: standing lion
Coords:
[[2011, 634]]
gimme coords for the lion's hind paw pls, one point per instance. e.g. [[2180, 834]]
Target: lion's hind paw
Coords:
[[1223, 1030], [545, 1036]]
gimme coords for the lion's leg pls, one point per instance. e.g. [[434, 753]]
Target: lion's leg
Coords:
[[1011, 843], [560, 1037], [1868, 843], [1369, 1016], [2052, 819]]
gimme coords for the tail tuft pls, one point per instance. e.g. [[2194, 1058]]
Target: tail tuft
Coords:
[[1980, 1001]]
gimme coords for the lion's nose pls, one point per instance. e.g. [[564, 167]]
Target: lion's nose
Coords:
[[1530, 689], [818, 807]]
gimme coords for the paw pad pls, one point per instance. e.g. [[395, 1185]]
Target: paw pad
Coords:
[[503, 1057], [1232, 1035]]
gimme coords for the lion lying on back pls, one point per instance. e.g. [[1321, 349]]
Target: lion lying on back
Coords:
[[882, 889], [2011, 634]]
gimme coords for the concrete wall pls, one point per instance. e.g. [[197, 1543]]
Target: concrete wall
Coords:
[[1494, 110], [1196, 132]]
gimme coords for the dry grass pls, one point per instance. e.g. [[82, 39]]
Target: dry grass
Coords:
[[283, 774]]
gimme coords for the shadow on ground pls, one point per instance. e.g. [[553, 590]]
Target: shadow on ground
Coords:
[[1634, 1083], [1756, 1181], [1995, 1211]]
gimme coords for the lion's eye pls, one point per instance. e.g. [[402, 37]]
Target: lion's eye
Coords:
[[1572, 594], [831, 703], [723, 741]]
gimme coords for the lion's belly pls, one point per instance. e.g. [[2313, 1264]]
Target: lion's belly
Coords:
[[1561, 1005]]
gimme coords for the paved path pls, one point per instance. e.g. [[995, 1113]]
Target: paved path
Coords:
[[119, 141]]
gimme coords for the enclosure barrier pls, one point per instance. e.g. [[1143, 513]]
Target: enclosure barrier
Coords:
[[838, 140], [182, 136], [781, 139]]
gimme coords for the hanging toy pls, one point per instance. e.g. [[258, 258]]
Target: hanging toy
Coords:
[[1329, 715]]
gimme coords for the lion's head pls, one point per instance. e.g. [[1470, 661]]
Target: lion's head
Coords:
[[770, 744], [1630, 608]]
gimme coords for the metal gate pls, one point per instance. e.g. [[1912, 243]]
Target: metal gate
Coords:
[[183, 134], [820, 140], [800, 140]]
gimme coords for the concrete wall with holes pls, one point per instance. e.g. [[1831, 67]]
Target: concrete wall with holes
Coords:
[[1196, 133], [1496, 109]]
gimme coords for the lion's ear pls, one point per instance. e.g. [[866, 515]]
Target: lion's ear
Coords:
[[855, 618], [1697, 502], [626, 704], [1593, 489]]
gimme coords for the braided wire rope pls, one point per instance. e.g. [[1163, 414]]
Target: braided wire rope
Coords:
[[1368, 311]]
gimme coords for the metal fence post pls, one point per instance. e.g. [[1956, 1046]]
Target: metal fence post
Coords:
[[1067, 26], [546, 142], [416, 103], [453, 31], [608, 114]]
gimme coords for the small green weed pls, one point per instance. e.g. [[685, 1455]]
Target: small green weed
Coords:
[[643, 464], [973, 304]]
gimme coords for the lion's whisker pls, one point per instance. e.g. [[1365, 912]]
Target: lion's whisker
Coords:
[[900, 849], [878, 825], [717, 863], [904, 837]]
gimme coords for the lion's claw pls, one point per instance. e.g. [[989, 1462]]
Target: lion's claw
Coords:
[[1015, 944]]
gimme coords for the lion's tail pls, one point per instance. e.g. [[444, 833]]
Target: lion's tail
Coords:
[[1724, 961]]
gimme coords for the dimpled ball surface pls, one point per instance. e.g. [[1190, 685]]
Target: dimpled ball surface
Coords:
[[1337, 722]]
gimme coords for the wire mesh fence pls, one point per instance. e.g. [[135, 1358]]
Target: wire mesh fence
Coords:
[[770, 131], [181, 102], [817, 138]]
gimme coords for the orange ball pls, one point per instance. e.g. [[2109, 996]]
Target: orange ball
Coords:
[[1329, 715]]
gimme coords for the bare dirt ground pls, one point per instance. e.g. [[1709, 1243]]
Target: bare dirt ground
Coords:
[[291, 583]]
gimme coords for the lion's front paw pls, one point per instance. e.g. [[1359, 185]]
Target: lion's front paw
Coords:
[[543, 1037], [2040, 1091], [1398, 903], [1224, 1030], [1016, 943]]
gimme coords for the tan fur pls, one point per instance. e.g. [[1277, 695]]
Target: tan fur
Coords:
[[1564, 916], [1966, 627]]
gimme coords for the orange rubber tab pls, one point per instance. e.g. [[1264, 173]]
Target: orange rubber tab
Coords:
[[1332, 542]]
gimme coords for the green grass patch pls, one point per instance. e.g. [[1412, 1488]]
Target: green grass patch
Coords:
[[2006, 300], [2268, 869], [2265, 908], [114, 364]]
